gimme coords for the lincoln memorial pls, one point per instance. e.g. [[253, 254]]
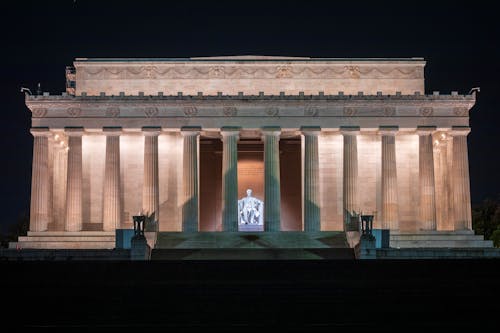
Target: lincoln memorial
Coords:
[[246, 145]]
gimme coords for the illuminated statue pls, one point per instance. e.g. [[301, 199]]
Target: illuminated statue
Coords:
[[250, 210]]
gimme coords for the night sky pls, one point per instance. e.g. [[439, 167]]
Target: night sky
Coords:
[[459, 41]]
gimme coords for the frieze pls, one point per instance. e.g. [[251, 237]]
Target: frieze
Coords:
[[39, 112], [389, 111], [426, 111], [190, 111], [256, 72], [272, 111], [311, 111], [460, 111], [151, 111], [74, 112], [113, 112], [229, 111], [349, 111]]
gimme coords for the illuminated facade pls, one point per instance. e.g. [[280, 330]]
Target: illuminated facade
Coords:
[[185, 138]]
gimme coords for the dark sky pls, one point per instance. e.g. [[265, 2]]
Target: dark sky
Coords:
[[460, 42]]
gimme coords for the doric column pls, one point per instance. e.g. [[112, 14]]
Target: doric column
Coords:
[[389, 178], [426, 178], [111, 208], [190, 210], [230, 137], [39, 210], [312, 214], [150, 191], [350, 168], [74, 180], [272, 196], [460, 183]]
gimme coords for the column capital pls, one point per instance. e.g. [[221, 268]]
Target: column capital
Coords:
[[310, 130], [459, 131], [226, 131], [388, 130], [151, 130], [74, 131], [190, 130], [349, 130], [271, 130], [40, 131], [112, 131], [425, 130]]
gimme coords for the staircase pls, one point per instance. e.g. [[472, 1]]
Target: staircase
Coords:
[[439, 239], [65, 240]]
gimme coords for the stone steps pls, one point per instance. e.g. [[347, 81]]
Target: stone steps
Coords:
[[65, 240], [439, 239]]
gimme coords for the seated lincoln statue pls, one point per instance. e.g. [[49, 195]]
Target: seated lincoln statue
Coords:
[[250, 210]]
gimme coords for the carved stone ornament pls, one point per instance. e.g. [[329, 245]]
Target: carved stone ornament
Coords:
[[284, 71], [74, 112], [151, 111], [311, 111], [426, 111], [349, 111], [190, 111], [39, 112], [353, 71], [389, 111], [460, 111], [272, 111], [229, 111], [113, 112], [216, 71]]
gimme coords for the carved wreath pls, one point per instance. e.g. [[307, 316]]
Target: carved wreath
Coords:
[[460, 111], [389, 111], [283, 71], [151, 111], [272, 111], [311, 111], [74, 112], [190, 111], [229, 111], [113, 112], [39, 112], [426, 111], [349, 111]]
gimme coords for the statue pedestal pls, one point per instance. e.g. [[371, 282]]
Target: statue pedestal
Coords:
[[250, 227]]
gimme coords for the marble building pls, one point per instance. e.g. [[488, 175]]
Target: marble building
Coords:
[[185, 138]]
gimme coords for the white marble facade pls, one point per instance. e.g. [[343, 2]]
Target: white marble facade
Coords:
[[143, 119]]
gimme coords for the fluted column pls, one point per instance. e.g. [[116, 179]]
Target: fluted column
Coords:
[[389, 178], [230, 178], [426, 178], [461, 183], [272, 193], [350, 173], [39, 210], [312, 216], [150, 190], [111, 208], [190, 210], [74, 180]]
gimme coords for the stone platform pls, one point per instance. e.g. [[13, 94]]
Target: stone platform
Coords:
[[66, 240], [439, 239], [252, 245]]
